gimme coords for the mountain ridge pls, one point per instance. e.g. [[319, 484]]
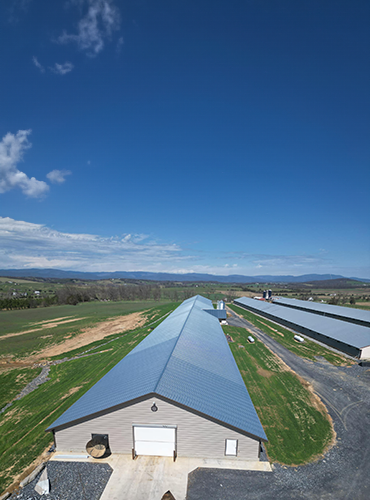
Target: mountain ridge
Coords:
[[151, 276]]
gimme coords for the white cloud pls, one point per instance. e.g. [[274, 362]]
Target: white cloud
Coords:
[[28, 245], [58, 176], [98, 24], [38, 65], [18, 6], [12, 148], [119, 45], [62, 69]]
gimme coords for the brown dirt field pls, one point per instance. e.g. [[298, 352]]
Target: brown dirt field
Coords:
[[52, 320], [98, 332], [101, 330], [50, 324], [237, 293], [71, 391], [264, 373]]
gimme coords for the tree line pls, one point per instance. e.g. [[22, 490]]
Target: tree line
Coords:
[[27, 302], [76, 294]]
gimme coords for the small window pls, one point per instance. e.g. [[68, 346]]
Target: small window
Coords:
[[231, 447]]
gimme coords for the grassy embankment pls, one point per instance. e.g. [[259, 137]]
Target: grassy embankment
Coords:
[[13, 381], [22, 426], [296, 424], [308, 349], [83, 315]]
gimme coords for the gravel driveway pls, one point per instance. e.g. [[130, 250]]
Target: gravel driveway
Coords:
[[344, 472]]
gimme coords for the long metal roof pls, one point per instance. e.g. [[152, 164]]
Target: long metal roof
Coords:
[[340, 312], [185, 359], [348, 333]]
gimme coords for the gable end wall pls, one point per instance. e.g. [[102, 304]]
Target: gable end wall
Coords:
[[196, 436]]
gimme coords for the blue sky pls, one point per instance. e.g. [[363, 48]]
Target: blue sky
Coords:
[[227, 137]]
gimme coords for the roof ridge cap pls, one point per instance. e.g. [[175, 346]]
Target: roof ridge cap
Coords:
[[174, 347]]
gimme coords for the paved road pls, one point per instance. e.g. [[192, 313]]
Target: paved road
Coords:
[[344, 472]]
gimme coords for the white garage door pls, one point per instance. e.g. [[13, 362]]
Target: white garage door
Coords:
[[157, 441]]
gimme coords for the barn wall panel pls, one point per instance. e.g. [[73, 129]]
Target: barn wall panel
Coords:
[[196, 436], [365, 353]]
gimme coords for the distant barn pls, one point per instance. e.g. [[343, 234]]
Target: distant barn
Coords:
[[345, 336], [352, 315], [178, 393]]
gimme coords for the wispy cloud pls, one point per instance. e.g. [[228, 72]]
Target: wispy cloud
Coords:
[[98, 24], [12, 148], [62, 69], [58, 176], [278, 264], [119, 45], [28, 245], [18, 6], [38, 65], [58, 69]]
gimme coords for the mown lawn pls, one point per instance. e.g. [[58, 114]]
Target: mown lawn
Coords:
[[30, 319], [22, 426], [308, 349], [296, 426]]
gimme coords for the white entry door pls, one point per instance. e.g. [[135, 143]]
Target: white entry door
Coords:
[[156, 441]]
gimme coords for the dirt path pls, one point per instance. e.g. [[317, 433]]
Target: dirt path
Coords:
[[98, 332], [44, 326]]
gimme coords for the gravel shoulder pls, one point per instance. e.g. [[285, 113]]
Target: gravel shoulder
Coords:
[[344, 471], [70, 480]]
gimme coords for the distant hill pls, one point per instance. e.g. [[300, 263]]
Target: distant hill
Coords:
[[337, 283], [190, 277]]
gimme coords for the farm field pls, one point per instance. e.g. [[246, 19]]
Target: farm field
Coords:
[[22, 426], [309, 349], [295, 420], [51, 325], [29, 286]]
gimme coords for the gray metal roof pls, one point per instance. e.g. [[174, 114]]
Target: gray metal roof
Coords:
[[185, 359], [347, 313], [348, 333], [218, 313]]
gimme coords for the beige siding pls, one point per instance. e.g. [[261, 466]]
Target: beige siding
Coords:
[[196, 436], [365, 353]]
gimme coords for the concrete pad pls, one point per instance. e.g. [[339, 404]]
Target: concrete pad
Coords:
[[71, 457], [149, 478]]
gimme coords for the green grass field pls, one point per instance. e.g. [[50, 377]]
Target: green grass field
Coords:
[[29, 319], [22, 426], [13, 381], [308, 349], [297, 431]]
